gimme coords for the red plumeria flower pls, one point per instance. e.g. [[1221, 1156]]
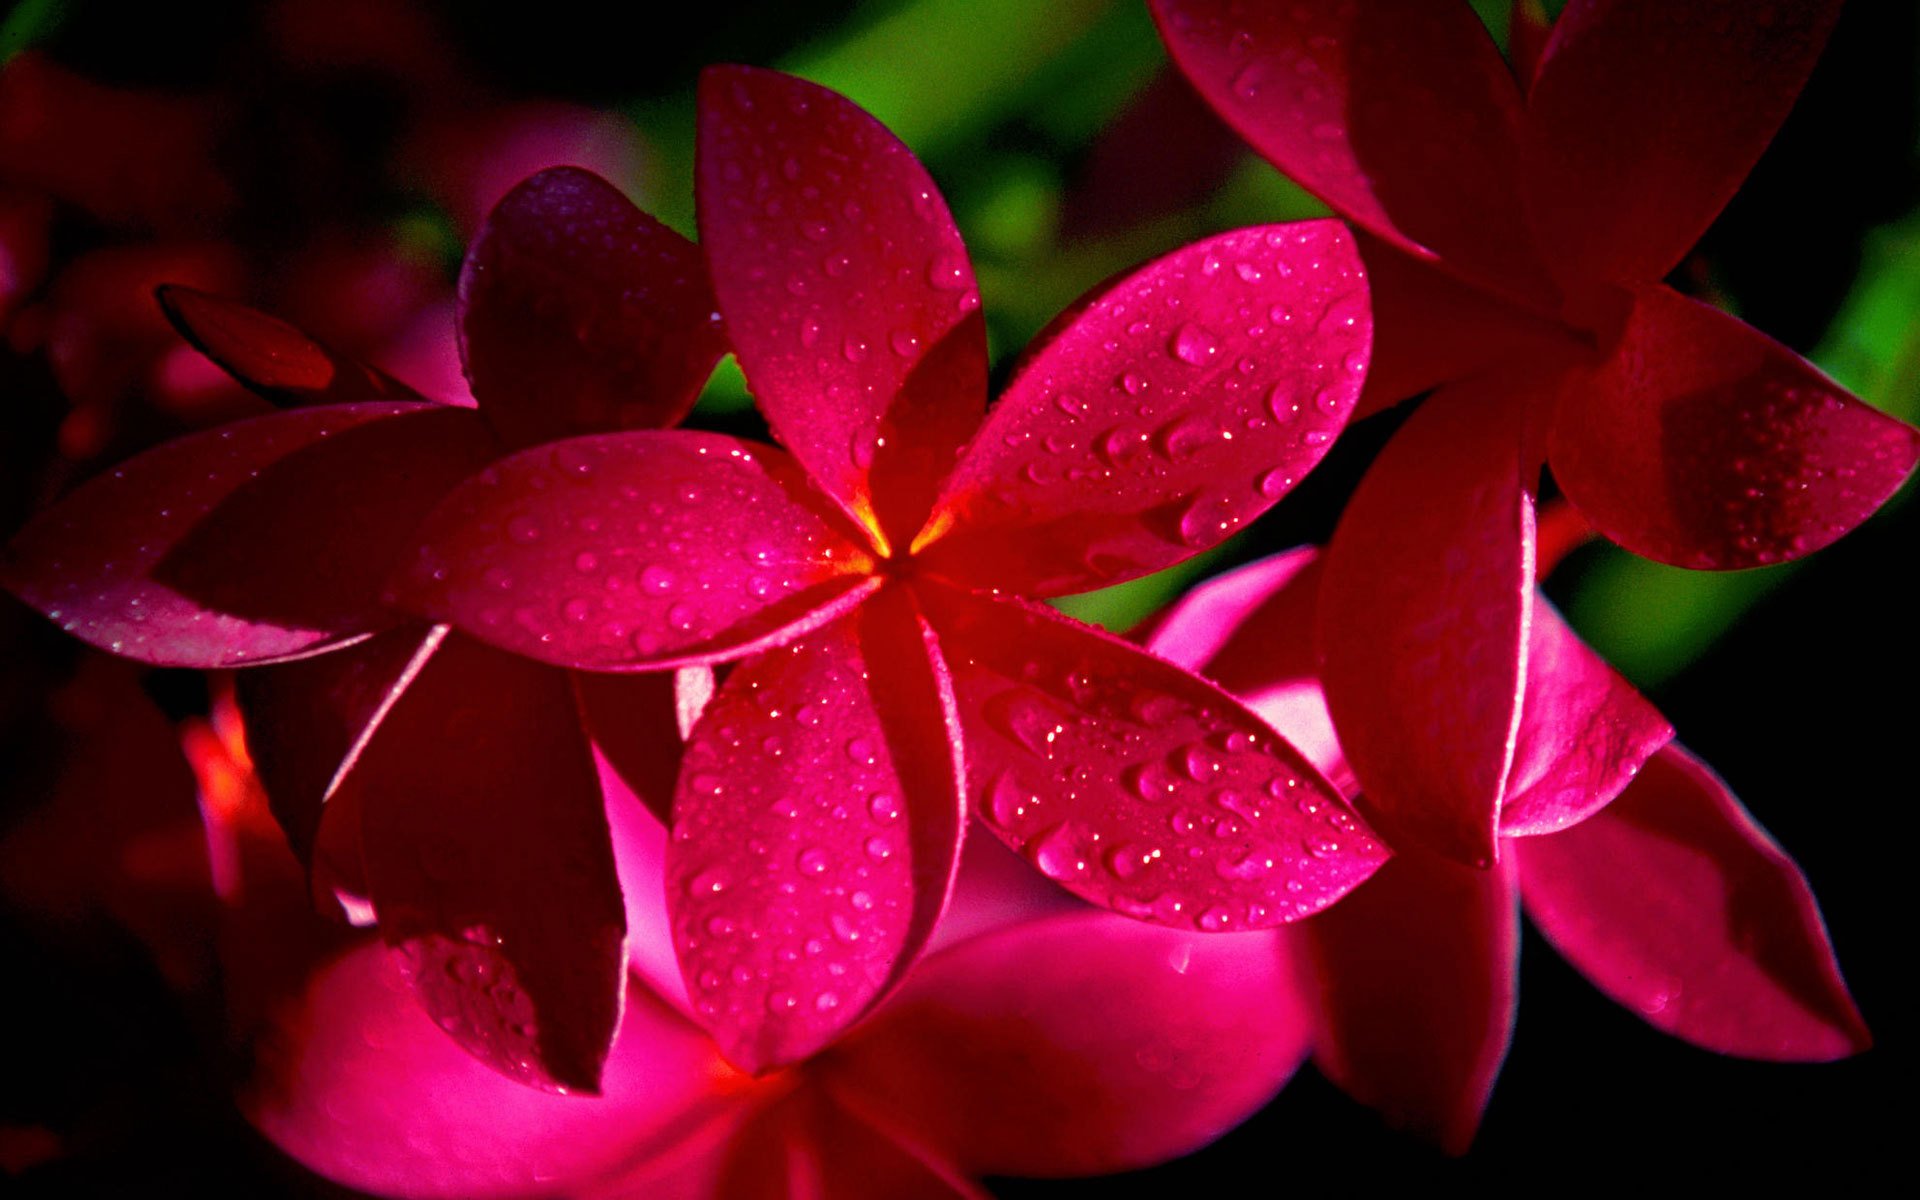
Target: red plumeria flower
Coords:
[[1665, 893], [1518, 242], [860, 577], [400, 757]]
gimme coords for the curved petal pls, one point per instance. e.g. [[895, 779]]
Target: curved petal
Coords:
[[846, 290], [816, 833], [270, 356], [1424, 609], [202, 552], [1080, 1044], [1400, 114], [634, 721], [491, 867], [1703, 443], [1163, 416], [581, 314], [1418, 977], [1676, 904], [1138, 785], [1644, 117], [635, 551]]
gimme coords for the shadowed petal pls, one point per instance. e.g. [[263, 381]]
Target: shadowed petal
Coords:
[[1676, 904], [487, 850], [1172, 409], [846, 289], [581, 314], [1644, 117], [634, 721], [1424, 610], [810, 1144], [1703, 443], [816, 832], [203, 552], [635, 550], [270, 356], [1136, 784], [1080, 1044], [1418, 973]]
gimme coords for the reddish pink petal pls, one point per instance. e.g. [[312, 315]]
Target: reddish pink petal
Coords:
[[1138, 785], [1400, 114], [270, 356], [846, 289], [816, 833], [630, 550], [1645, 116], [1703, 443], [1418, 975], [1168, 412], [261, 540], [488, 854], [811, 1144], [1583, 732], [581, 314], [1424, 612], [1080, 1044], [1675, 903]]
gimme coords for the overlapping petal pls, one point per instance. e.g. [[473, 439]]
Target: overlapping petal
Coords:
[[272, 357]]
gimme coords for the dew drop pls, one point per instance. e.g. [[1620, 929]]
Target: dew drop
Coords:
[[1194, 345]]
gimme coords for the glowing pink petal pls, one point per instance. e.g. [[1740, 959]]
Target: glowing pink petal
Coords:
[[846, 289], [1703, 443], [1645, 116], [810, 1143], [265, 539], [1418, 974], [270, 356], [1163, 416], [1583, 732], [643, 549], [1676, 904], [1400, 114], [1424, 611], [1080, 1044], [816, 833], [1138, 785], [581, 314], [488, 854]]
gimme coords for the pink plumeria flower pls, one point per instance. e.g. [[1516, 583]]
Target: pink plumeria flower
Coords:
[[888, 682], [400, 756], [1649, 877], [1518, 237]]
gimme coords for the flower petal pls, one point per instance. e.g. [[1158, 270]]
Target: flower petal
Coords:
[[1419, 973], [816, 833], [1644, 117], [1584, 732], [202, 552], [1400, 114], [1676, 904], [581, 314], [1138, 785], [491, 866], [270, 356], [1703, 443], [1424, 610], [1080, 1044], [636, 550], [846, 290], [634, 723], [1169, 411]]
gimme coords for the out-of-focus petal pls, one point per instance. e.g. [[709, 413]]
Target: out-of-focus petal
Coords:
[[1172, 409], [1136, 784], [1080, 1044], [581, 314], [1418, 981], [261, 540], [635, 550], [1424, 608], [1675, 903], [1644, 117], [1703, 443], [816, 833], [270, 356], [846, 289], [1528, 29]]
